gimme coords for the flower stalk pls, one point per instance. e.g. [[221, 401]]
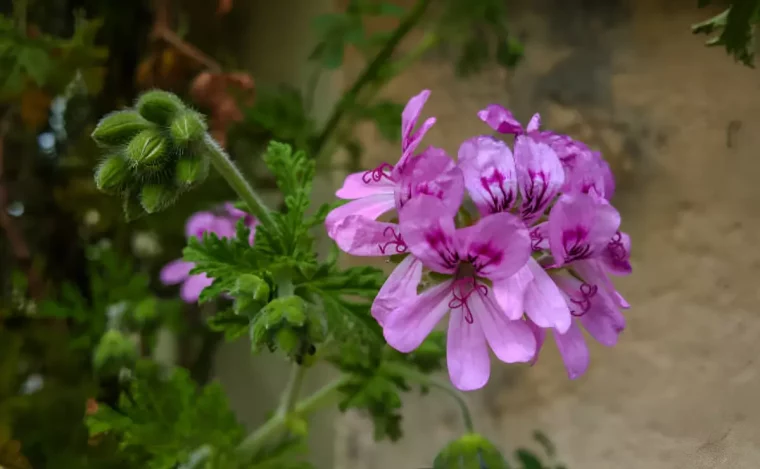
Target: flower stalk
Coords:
[[224, 165], [257, 439]]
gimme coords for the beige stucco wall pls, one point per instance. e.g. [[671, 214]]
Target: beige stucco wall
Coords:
[[681, 124]]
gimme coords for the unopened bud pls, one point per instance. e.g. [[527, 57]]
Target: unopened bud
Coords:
[[187, 127], [159, 107], [191, 170], [147, 149], [112, 174], [471, 450], [156, 197], [120, 127]]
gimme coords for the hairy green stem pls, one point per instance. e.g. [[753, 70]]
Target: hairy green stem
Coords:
[[421, 378], [292, 390], [235, 179], [369, 74], [256, 440]]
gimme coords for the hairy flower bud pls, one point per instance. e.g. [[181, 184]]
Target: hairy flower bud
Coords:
[[112, 174], [191, 169], [156, 197], [120, 127], [187, 127], [159, 107], [471, 450], [147, 149]]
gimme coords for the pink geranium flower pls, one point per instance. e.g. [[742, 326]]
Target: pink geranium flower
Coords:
[[480, 261], [585, 169], [580, 235], [430, 173], [373, 193], [222, 224]]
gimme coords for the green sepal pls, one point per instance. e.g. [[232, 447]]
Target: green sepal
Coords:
[[118, 128], [156, 197], [147, 150], [112, 174], [188, 126], [159, 106]]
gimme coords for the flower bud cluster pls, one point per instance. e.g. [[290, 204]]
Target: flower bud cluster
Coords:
[[154, 152]]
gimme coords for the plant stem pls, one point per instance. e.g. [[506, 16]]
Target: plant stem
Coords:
[[253, 442], [424, 379], [369, 74], [235, 179], [292, 390]]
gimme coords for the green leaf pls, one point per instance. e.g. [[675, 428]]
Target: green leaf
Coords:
[[377, 378], [233, 325], [168, 418], [223, 259], [470, 29], [736, 26], [36, 63]]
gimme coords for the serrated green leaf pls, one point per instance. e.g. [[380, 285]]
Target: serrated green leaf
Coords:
[[168, 418]]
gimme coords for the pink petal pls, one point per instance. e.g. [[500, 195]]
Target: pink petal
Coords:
[[410, 139], [429, 235], [401, 286], [511, 341], [412, 321], [175, 272], [594, 308], [199, 223], [534, 124], [590, 174], [466, 354], [500, 119], [539, 174], [358, 185], [580, 226], [193, 287], [544, 303], [509, 292], [489, 173], [540, 335], [361, 236], [572, 347], [592, 272], [499, 245], [432, 173], [369, 207]]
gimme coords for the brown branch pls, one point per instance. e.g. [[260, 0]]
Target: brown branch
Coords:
[[187, 49], [15, 237], [162, 30]]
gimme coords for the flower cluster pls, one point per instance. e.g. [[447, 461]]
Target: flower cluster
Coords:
[[222, 223], [532, 253]]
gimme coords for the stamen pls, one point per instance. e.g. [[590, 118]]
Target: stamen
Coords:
[[536, 238], [587, 291], [462, 289], [617, 249], [377, 174], [397, 240]]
